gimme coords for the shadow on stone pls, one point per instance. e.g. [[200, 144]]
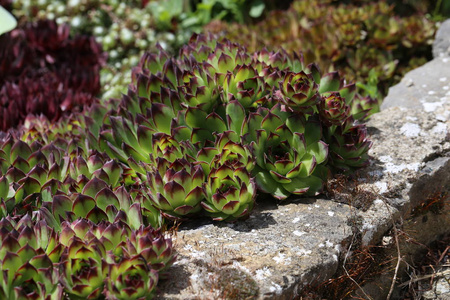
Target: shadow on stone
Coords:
[[260, 217], [171, 285], [373, 131]]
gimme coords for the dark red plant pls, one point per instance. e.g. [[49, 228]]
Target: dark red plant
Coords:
[[45, 71]]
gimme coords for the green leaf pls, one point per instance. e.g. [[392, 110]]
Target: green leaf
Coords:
[[20, 149], [348, 93], [4, 187], [60, 205], [97, 215], [114, 171], [94, 186], [215, 123], [162, 116], [83, 205], [310, 186], [319, 150], [330, 82], [195, 117], [106, 197], [8, 22], [134, 215], [235, 116], [257, 8], [265, 182]]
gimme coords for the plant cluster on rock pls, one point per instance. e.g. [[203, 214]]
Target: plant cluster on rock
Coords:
[[85, 198], [200, 132], [44, 71]]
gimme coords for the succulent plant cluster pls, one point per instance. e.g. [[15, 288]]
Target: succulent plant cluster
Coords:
[[44, 71], [210, 127], [363, 42], [198, 133], [84, 198], [83, 260], [72, 223]]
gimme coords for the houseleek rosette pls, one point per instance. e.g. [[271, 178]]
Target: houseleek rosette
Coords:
[[131, 279], [333, 109], [287, 162], [176, 188], [228, 149], [299, 91], [82, 269], [28, 251], [230, 193], [153, 246], [349, 146], [245, 85]]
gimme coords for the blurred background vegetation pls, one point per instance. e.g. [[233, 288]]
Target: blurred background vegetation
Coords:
[[369, 42]]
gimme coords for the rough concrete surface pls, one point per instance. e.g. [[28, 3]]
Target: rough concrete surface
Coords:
[[285, 246]]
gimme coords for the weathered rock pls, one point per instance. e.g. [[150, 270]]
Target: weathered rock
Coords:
[[285, 246], [441, 45], [426, 88], [278, 249], [441, 288]]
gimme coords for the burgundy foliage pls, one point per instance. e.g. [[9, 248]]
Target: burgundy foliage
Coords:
[[45, 71]]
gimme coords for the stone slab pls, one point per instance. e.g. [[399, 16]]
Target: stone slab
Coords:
[[441, 44], [426, 88]]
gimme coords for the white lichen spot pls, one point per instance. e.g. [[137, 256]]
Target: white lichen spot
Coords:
[[298, 233], [263, 273], [391, 168], [431, 106], [385, 158], [296, 220], [431, 92], [331, 213], [424, 85], [410, 118], [194, 277], [316, 206], [304, 252], [329, 244], [321, 245], [442, 79], [378, 202], [445, 87], [309, 208], [410, 130], [382, 186], [276, 288], [279, 258], [440, 128], [307, 225], [445, 59]]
